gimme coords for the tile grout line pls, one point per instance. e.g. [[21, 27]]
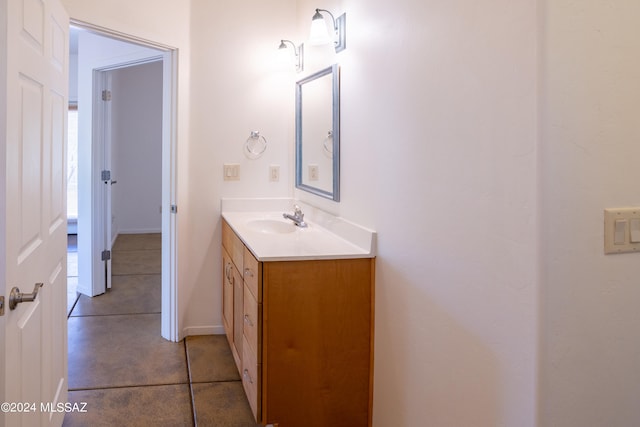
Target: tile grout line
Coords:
[[190, 378], [113, 314], [135, 274], [116, 387]]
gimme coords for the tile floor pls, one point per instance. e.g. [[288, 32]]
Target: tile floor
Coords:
[[128, 374]]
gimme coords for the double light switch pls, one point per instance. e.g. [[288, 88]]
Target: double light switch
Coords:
[[621, 230]]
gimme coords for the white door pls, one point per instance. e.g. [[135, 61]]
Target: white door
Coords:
[[33, 110], [103, 139]]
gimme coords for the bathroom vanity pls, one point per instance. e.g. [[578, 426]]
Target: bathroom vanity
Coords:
[[298, 310]]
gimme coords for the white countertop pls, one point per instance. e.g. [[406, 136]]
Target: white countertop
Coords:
[[270, 237]]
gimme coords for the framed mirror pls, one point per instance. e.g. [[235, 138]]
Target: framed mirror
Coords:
[[318, 133]]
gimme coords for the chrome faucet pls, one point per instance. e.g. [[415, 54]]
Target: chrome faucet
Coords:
[[297, 217]]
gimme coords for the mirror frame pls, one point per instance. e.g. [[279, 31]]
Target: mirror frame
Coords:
[[334, 195]]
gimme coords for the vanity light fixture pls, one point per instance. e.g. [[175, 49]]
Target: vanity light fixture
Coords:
[[298, 52], [319, 34]]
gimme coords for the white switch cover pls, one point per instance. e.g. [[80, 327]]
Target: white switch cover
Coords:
[[634, 230], [621, 230], [274, 173]]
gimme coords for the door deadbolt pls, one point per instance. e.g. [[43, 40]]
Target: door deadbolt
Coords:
[[16, 297]]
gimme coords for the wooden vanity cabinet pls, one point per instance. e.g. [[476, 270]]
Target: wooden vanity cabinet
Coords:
[[307, 339]]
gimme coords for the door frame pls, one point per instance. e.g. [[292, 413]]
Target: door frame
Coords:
[[169, 55]]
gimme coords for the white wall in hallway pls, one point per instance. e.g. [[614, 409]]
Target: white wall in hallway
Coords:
[[235, 88], [73, 78], [136, 104]]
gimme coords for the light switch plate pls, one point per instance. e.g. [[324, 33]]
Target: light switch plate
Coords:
[[619, 219], [231, 172]]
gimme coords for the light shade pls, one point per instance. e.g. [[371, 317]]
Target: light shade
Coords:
[[319, 34], [298, 53]]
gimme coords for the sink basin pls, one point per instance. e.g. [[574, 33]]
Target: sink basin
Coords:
[[271, 226]]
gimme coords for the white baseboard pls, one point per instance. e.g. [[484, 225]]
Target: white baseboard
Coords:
[[141, 231], [203, 330]]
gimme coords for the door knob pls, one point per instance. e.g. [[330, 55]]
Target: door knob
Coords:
[[16, 297]]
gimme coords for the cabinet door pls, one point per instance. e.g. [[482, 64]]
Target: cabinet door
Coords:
[[227, 294], [317, 331]]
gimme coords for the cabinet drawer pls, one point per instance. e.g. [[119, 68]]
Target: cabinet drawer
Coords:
[[232, 243], [251, 379], [252, 326], [227, 294], [252, 273]]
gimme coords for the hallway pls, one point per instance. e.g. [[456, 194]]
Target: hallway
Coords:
[[127, 374]]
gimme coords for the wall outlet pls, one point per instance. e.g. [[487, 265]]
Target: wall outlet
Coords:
[[313, 173], [274, 173], [231, 172]]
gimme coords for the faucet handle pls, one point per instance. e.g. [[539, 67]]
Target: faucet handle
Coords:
[[297, 210]]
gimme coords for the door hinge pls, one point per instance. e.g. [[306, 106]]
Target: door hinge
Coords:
[[106, 95], [106, 255], [174, 209], [106, 175], [1, 306]]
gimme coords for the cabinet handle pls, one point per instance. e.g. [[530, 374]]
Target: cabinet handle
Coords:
[[248, 272], [247, 320], [247, 377], [227, 271]]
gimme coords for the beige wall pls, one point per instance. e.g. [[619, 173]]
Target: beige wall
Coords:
[[589, 103], [237, 87], [439, 156]]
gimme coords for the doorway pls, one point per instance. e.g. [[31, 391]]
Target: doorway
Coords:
[[101, 52]]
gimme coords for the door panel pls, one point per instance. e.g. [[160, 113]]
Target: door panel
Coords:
[[27, 194], [57, 166], [34, 84]]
